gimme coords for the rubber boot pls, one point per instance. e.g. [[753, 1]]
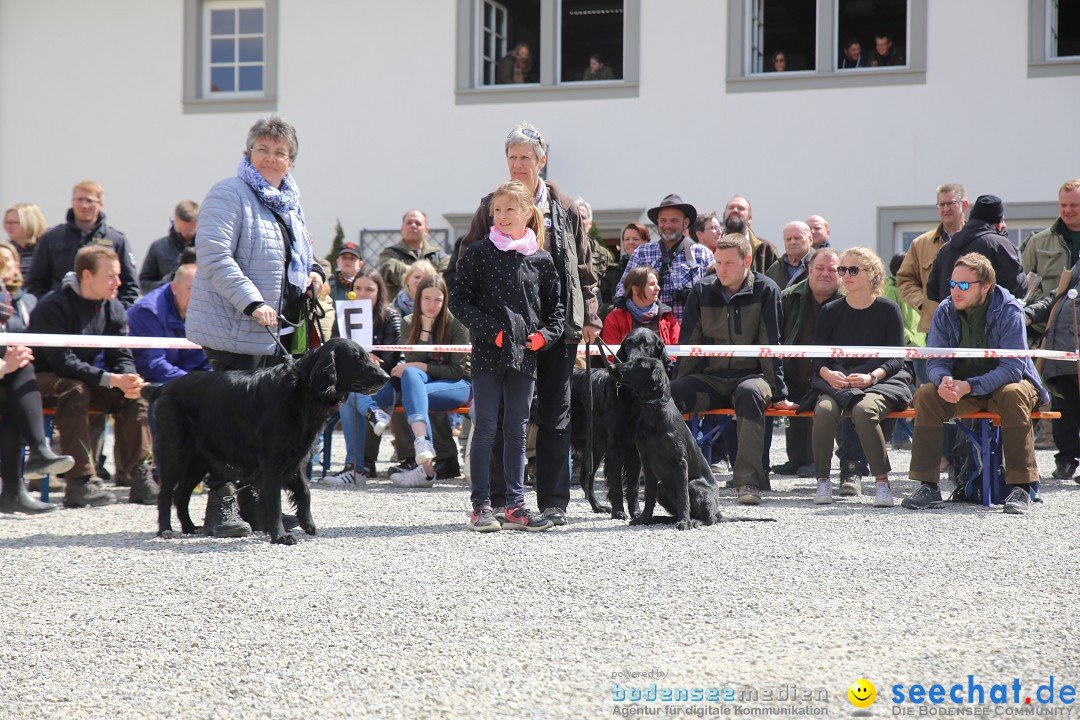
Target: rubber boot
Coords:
[[42, 461], [15, 499]]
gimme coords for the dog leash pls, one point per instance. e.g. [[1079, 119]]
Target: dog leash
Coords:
[[277, 340]]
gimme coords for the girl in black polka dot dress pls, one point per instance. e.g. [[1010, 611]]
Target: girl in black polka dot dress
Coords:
[[508, 294]]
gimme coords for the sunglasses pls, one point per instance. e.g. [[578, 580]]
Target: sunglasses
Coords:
[[962, 284], [527, 132], [853, 270]]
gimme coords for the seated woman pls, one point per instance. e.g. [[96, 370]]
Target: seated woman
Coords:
[[634, 235], [868, 388], [358, 409], [406, 297], [22, 302], [21, 425], [428, 380], [641, 307]]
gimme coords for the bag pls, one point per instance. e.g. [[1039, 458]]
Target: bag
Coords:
[[967, 469]]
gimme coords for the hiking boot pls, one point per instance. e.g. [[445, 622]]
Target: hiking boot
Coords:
[[345, 477], [789, 468], [222, 519], [925, 496], [521, 518], [850, 480], [1064, 470], [557, 516], [379, 420], [42, 461], [144, 489], [806, 471], [749, 495], [56, 484], [423, 450], [823, 496], [1018, 502], [482, 519], [883, 496], [87, 491], [415, 478]]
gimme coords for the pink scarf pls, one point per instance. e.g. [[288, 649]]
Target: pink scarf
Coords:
[[526, 244]]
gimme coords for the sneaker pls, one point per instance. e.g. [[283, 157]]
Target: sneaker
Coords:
[[482, 519], [415, 478], [823, 496], [883, 496], [500, 514], [749, 495], [925, 496], [346, 476], [144, 488], [521, 518], [555, 515], [850, 480], [423, 450], [1064, 470], [1018, 502], [380, 420], [222, 519], [87, 491]]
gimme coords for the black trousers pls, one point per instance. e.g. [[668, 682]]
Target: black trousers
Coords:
[[20, 419], [554, 365], [1066, 433]]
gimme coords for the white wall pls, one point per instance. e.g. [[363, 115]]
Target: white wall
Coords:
[[95, 91]]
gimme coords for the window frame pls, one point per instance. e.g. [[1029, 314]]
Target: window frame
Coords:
[[196, 60], [826, 75], [469, 91], [1040, 64]]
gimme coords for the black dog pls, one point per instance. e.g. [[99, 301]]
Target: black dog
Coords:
[[676, 473], [614, 418], [259, 425]]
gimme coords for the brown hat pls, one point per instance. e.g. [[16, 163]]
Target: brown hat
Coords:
[[676, 202], [349, 248]]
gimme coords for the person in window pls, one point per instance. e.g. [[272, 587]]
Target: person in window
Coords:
[[778, 63], [885, 53], [516, 67], [851, 55], [598, 70]]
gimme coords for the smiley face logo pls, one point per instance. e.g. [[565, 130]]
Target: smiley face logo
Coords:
[[862, 693]]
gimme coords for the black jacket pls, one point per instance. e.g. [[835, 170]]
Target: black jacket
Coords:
[[161, 260], [66, 312], [983, 238], [54, 257]]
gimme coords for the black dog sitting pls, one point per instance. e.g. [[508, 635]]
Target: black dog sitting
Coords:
[[614, 418], [676, 473], [259, 425]]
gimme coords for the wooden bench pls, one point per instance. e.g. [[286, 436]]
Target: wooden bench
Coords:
[[987, 437]]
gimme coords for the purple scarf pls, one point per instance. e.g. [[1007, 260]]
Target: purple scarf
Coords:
[[526, 245]]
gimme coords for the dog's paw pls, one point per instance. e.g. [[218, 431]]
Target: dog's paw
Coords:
[[310, 529], [618, 515], [190, 529], [640, 520], [687, 525], [601, 509], [285, 539], [168, 534]]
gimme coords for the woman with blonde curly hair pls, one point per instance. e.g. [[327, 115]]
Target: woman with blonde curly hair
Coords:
[[868, 388], [24, 224]]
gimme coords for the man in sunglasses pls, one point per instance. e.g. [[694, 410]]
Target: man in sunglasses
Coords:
[[978, 314]]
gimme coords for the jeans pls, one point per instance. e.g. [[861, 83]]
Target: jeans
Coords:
[[354, 409], [512, 390], [420, 394]]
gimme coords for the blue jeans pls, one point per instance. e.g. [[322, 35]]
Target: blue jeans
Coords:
[[420, 394], [354, 409], [515, 390]]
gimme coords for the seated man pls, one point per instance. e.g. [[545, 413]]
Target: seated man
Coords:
[[734, 307], [978, 314], [161, 313], [86, 304]]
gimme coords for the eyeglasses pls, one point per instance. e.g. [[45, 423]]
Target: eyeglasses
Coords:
[[853, 270], [942, 206], [278, 154], [962, 284]]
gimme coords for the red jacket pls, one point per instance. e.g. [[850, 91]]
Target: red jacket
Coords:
[[619, 322]]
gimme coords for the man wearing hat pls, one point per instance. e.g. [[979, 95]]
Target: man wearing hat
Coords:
[[348, 267], [677, 260], [394, 261], [984, 233]]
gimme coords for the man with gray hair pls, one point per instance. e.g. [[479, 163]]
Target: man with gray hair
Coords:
[[794, 265], [163, 257], [601, 256]]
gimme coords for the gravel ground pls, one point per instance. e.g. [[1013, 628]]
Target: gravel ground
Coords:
[[395, 610]]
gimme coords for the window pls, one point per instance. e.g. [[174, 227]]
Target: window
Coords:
[[539, 50], [1053, 38], [802, 44], [230, 55]]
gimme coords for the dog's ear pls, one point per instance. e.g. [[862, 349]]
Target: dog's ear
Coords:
[[318, 373]]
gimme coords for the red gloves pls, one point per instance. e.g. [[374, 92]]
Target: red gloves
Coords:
[[498, 339], [534, 342]]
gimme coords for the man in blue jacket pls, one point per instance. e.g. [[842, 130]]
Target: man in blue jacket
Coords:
[[161, 313], [978, 314]]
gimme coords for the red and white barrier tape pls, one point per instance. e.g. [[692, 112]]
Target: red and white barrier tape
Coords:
[[703, 351]]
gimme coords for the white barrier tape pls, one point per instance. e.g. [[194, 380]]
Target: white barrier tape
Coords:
[[702, 351]]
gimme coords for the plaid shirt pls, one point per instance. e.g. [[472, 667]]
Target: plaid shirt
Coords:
[[681, 275]]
